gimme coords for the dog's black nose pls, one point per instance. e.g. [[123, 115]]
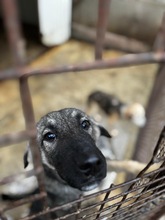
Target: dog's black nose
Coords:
[[91, 166]]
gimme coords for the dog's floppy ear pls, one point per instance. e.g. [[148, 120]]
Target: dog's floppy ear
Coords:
[[27, 156], [25, 159], [104, 132], [101, 130]]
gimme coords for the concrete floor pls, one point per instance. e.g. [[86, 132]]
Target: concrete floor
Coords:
[[53, 92]]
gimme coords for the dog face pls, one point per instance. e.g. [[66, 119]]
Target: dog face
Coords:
[[67, 143]]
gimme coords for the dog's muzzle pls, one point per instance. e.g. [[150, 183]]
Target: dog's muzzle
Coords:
[[82, 171], [80, 163], [93, 170]]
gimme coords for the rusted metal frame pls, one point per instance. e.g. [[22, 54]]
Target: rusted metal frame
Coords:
[[124, 210], [78, 209], [72, 203], [7, 180], [16, 137], [149, 199], [161, 137], [29, 173], [11, 22], [89, 197], [12, 178], [159, 44], [156, 149], [114, 187], [48, 211], [138, 212], [124, 199], [16, 42], [30, 124], [115, 212], [140, 152], [161, 178], [162, 134], [123, 61], [152, 180], [111, 40], [40, 214], [107, 190], [104, 201], [133, 190], [152, 197], [103, 13], [20, 202], [146, 189]]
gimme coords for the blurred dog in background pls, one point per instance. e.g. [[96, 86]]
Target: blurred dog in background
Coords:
[[110, 105]]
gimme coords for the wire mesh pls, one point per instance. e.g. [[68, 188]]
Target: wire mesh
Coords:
[[140, 198]]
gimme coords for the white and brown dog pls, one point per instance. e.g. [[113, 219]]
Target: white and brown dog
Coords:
[[110, 105]]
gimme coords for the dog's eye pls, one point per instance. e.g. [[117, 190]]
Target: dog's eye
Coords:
[[85, 124], [49, 137]]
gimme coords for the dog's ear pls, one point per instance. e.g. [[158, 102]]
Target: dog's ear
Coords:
[[100, 130], [25, 159], [104, 132]]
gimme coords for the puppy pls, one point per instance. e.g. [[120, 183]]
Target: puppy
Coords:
[[110, 105], [72, 162]]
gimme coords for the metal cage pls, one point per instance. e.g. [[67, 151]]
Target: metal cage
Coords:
[[140, 198]]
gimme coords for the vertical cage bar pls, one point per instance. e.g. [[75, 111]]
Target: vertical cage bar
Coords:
[[159, 44], [103, 13], [147, 136], [17, 46], [13, 30]]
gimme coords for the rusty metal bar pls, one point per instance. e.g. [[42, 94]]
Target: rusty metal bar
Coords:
[[122, 209], [159, 44], [123, 61], [158, 145], [111, 40], [103, 12], [23, 72], [12, 178], [20, 202], [159, 194], [13, 30], [104, 201], [99, 193], [144, 201], [14, 34], [155, 113], [16, 137], [147, 135]]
